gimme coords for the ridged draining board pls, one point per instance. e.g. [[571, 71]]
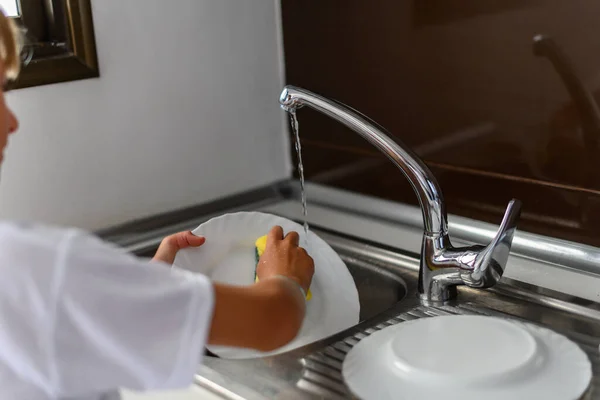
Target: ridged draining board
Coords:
[[322, 372]]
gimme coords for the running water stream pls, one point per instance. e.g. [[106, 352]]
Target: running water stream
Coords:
[[294, 124]]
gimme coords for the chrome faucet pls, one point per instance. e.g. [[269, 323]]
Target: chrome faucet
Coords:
[[442, 267]]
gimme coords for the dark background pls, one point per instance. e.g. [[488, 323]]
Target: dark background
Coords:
[[457, 81]]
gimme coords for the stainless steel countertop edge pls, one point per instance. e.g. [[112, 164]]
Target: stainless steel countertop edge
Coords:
[[550, 250], [559, 265]]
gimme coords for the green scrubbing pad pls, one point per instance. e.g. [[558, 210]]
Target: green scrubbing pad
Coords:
[[256, 260], [259, 249]]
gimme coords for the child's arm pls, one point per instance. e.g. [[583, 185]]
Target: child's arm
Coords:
[[266, 315], [79, 316]]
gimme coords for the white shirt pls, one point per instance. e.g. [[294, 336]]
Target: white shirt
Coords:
[[80, 318]]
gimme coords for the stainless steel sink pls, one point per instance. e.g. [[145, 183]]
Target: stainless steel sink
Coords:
[[387, 284], [315, 370], [378, 288]]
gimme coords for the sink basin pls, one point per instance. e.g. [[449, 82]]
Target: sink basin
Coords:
[[378, 289], [386, 280], [387, 284]]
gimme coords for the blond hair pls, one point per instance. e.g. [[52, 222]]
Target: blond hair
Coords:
[[10, 47]]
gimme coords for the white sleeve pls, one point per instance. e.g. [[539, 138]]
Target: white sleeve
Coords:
[[125, 322]]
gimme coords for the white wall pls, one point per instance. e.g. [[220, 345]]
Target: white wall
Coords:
[[186, 110]]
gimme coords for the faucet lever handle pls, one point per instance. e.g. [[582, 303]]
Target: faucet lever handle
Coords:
[[491, 261]]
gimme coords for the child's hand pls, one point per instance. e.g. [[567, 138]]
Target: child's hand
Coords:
[[283, 256], [172, 244]]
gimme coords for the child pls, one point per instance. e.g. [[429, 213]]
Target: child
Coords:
[[80, 319]]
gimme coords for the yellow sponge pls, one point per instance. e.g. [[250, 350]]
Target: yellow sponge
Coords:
[[259, 249]]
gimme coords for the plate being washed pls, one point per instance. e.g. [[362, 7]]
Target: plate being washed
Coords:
[[466, 357], [228, 257]]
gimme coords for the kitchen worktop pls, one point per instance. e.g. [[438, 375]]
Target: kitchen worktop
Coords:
[[562, 267]]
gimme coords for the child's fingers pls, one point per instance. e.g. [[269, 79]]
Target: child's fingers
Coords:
[[172, 244], [192, 240], [188, 239], [167, 250], [275, 235], [293, 237]]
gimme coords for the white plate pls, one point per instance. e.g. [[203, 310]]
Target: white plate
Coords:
[[228, 257], [468, 358]]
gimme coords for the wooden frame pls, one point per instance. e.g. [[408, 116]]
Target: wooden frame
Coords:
[[60, 46]]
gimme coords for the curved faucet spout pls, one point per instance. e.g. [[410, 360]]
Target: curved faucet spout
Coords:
[[442, 267], [420, 177]]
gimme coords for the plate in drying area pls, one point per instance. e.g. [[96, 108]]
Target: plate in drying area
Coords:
[[228, 257], [469, 358]]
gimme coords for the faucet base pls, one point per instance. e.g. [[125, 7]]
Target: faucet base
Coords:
[[442, 297]]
